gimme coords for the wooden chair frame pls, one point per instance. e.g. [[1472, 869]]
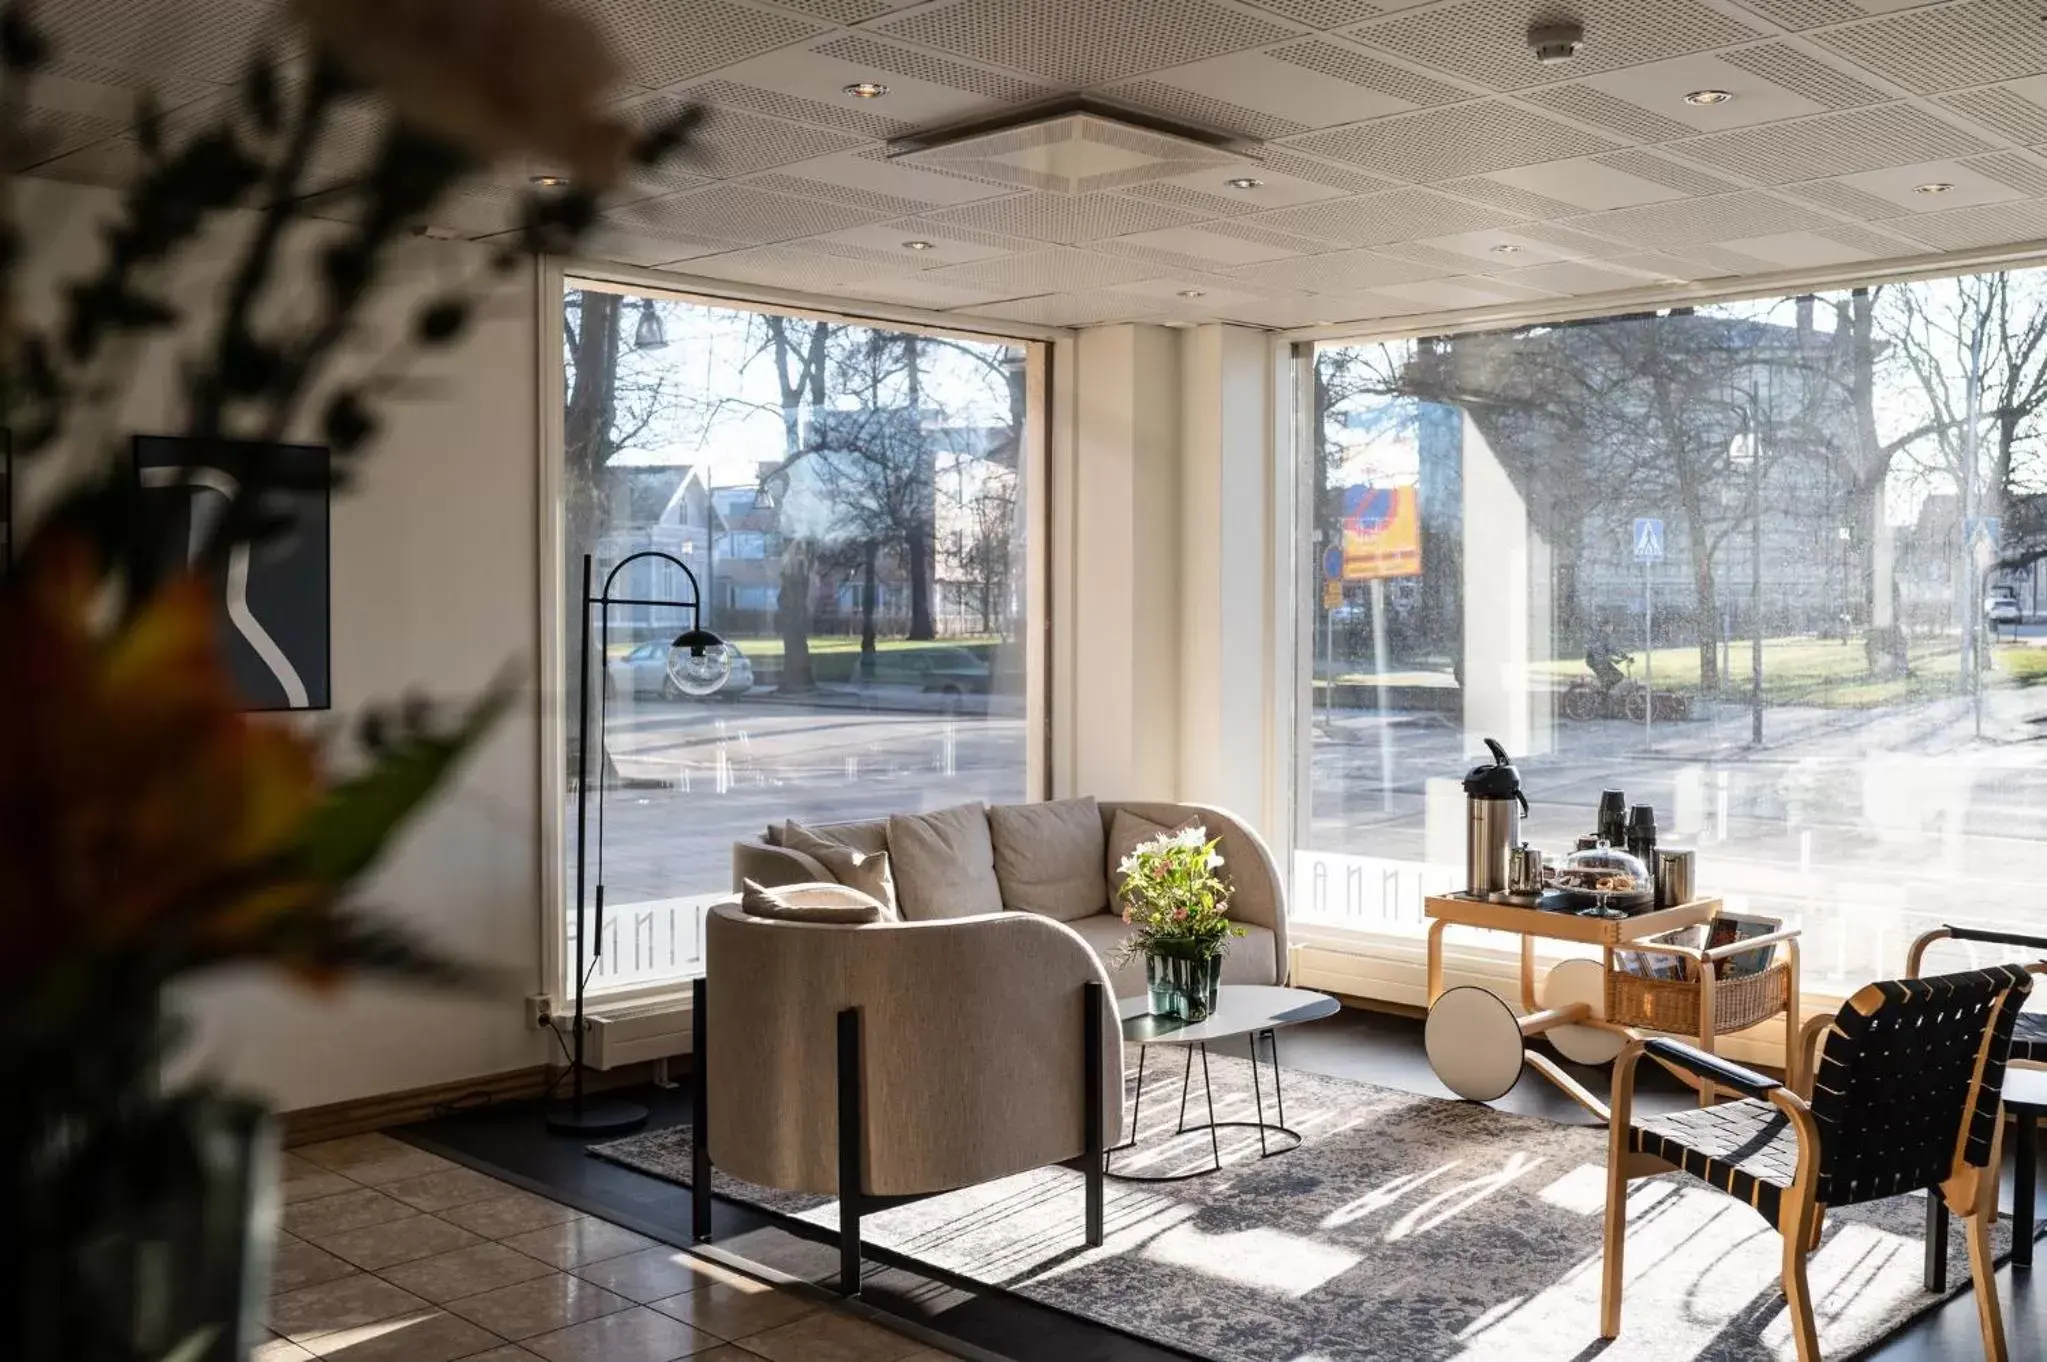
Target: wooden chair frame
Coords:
[[1968, 1191]]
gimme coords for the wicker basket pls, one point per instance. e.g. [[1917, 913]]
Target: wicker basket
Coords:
[[1672, 1005]]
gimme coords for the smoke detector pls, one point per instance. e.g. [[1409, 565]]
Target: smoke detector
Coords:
[[1554, 44]]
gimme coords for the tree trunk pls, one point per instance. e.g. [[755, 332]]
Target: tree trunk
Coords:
[[869, 602], [1705, 591], [587, 430]]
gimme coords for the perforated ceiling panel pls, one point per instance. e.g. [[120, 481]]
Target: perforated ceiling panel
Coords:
[[1368, 73], [664, 41], [1084, 42], [1841, 143], [1467, 140], [1487, 40], [1601, 109], [1381, 148], [1067, 219], [1949, 46], [1785, 66]]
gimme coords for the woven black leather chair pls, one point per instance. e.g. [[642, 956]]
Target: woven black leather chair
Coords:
[[1904, 1097], [2028, 1046]]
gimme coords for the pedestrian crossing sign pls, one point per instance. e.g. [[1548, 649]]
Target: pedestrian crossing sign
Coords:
[[1648, 541]]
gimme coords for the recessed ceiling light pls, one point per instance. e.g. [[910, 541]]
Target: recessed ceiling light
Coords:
[[1245, 182], [866, 89], [918, 246], [1506, 248], [550, 181], [1192, 293], [1709, 97], [1932, 187]]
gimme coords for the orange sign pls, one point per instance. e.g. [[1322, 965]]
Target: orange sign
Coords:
[[1382, 533]]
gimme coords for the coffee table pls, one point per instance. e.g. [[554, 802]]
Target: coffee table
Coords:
[[1253, 1011]]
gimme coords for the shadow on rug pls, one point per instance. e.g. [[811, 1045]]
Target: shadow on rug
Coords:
[[1404, 1229]]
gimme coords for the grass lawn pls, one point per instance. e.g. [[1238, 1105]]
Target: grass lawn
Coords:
[[1796, 671]]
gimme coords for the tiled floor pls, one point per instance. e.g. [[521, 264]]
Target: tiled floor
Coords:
[[392, 1254]]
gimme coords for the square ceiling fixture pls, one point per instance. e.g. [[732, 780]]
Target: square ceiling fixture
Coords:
[[1076, 149]]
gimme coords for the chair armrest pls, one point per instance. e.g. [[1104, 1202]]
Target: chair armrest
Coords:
[[1917, 955], [1675, 1054]]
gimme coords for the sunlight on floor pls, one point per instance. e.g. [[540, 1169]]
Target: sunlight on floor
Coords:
[[1582, 1190], [1266, 1259]]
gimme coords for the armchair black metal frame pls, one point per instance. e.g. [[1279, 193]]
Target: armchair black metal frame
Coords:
[[1903, 1097], [2028, 1047], [854, 1202]]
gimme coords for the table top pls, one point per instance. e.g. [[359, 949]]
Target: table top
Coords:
[[1509, 917], [1240, 1010], [2022, 1087]]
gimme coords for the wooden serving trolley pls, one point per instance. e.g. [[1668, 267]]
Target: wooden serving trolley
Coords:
[[1589, 1009]]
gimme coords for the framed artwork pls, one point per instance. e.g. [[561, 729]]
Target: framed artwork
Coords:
[[275, 623]]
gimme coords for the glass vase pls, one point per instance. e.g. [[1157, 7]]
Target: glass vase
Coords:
[[1192, 982], [1158, 980]]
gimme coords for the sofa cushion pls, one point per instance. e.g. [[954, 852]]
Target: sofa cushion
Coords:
[[1127, 832], [1248, 961], [867, 871], [1049, 857], [820, 902], [944, 864]]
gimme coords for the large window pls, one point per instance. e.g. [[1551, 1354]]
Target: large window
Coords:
[[852, 502], [1774, 567]]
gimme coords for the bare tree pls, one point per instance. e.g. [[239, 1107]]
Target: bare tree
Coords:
[[799, 349]]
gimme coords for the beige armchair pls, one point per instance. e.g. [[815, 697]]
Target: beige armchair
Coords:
[[890, 1061]]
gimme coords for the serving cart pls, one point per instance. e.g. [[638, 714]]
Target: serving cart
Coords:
[[1590, 1009]]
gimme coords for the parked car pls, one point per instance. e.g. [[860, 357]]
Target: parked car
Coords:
[[936, 671], [644, 671], [2002, 607]]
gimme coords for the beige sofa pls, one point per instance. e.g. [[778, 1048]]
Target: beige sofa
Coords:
[[1020, 874]]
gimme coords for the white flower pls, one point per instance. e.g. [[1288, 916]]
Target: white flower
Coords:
[[1195, 836], [1215, 860]]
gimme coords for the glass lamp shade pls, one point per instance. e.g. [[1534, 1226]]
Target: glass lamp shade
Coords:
[[699, 662]]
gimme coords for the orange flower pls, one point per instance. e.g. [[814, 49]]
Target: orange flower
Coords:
[[495, 76], [142, 814]]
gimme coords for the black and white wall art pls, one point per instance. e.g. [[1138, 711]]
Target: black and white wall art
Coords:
[[274, 597]]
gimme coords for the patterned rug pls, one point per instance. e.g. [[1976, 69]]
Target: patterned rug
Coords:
[[1404, 1229]]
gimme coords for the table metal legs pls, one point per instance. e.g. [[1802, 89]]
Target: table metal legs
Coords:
[[2025, 1178], [1267, 1146]]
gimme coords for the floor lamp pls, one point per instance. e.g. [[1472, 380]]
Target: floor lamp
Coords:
[[698, 664]]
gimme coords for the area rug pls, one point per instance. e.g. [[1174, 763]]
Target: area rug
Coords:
[[1404, 1229]]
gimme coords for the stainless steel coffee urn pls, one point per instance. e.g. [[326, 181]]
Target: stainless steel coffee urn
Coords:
[[1493, 805]]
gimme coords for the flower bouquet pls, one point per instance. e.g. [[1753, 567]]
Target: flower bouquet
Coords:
[[1180, 906]]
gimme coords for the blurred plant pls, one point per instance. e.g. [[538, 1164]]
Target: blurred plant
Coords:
[[150, 829]]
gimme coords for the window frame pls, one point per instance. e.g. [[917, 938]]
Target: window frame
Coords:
[[1294, 354], [1047, 437]]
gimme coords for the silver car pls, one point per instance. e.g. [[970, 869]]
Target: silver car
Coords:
[[644, 671]]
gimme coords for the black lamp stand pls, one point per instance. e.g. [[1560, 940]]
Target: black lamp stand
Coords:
[[583, 1115]]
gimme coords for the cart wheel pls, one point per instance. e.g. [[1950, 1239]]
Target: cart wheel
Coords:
[[1474, 1044], [1580, 981]]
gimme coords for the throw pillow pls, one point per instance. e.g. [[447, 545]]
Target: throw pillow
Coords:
[[815, 902], [1048, 858], [867, 871], [944, 864], [1127, 831]]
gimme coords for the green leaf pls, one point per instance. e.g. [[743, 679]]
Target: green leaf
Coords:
[[360, 816]]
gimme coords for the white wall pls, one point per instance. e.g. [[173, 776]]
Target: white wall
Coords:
[[1124, 636], [434, 553], [1226, 570]]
